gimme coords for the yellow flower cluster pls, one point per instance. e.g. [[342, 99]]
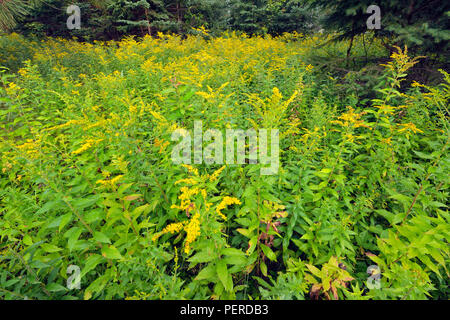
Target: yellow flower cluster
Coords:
[[192, 232], [214, 96], [110, 183], [191, 227], [185, 197], [7, 167], [119, 163], [272, 109], [190, 181], [216, 174], [401, 62], [351, 119], [226, 201], [191, 169], [409, 127], [386, 109], [30, 148], [310, 134], [196, 179], [89, 143], [273, 205], [173, 228], [187, 193], [312, 138], [65, 125], [387, 141], [162, 144], [12, 88]]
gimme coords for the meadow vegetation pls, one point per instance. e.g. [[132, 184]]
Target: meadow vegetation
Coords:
[[87, 179]]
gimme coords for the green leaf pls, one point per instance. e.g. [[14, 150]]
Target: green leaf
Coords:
[[314, 270], [54, 287], [202, 257], [96, 286], [48, 206], [111, 252], [263, 268], [65, 219], [232, 252], [27, 240], [423, 155], [430, 265], [207, 273], [222, 272], [244, 232], [73, 234], [252, 245], [268, 252], [50, 248], [236, 260], [101, 237], [91, 263], [86, 202], [146, 208]]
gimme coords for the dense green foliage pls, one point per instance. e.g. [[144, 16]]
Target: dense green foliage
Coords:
[[87, 179], [423, 25], [104, 20], [357, 210], [418, 23]]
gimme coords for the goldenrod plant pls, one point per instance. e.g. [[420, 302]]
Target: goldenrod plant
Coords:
[[87, 181]]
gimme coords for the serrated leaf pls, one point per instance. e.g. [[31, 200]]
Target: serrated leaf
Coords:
[[202, 257], [222, 273]]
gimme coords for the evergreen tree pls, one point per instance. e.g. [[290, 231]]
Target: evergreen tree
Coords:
[[50, 16], [139, 16], [13, 10], [213, 14], [248, 16], [290, 15], [422, 24]]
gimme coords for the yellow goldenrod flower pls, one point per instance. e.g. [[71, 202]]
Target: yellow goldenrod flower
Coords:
[[409, 127], [162, 144], [214, 176], [226, 201], [191, 169], [190, 181], [388, 141], [192, 232], [65, 125], [386, 109], [87, 145], [110, 183]]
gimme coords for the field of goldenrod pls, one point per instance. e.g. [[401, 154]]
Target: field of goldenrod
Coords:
[[92, 205]]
